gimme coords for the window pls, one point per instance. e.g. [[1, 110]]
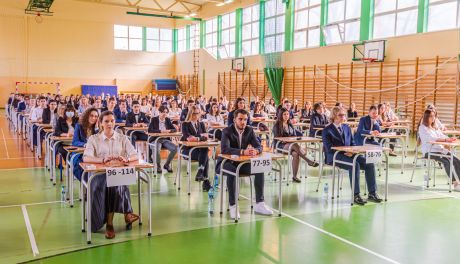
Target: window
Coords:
[[395, 18], [211, 36], [158, 40], [250, 44], [274, 26], [181, 40], [443, 14], [194, 36], [227, 49], [343, 21], [127, 37], [307, 23]]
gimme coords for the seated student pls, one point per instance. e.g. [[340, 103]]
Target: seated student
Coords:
[[111, 104], [390, 113], [156, 107], [284, 128], [240, 103], [193, 130], [174, 111], [215, 119], [146, 108], [428, 132], [338, 134], [438, 124], [352, 113], [385, 123], [186, 109], [121, 112], [286, 104], [162, 124], [65, 127], [307, 111], [84, 104], [317, 120], [240, 139], [211, 101], [111, 148], [258, 112], [136, 119], [252, 105], [295, 107], [86, 126], [327, 112], [368, 125], [98, 105], [270, 108]]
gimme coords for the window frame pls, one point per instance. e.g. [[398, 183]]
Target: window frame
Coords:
[[276, 34], [343, 23], [251, 24], [395, 11], [307, 29]]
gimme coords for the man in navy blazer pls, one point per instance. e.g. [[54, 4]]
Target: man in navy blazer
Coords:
[[368, 125], [338, 134]]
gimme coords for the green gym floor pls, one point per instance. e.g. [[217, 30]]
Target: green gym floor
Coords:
[[416, 225]]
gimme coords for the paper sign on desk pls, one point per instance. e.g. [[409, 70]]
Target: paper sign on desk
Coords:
[[261, 165], [373, 156], [120, 176]]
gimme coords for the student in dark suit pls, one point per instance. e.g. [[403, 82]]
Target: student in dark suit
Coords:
[[240, 103], [162, 124], [137, 119], [338, 134], [184, 113], [368, 125], [121, 112], [318, 119], [352, 113], [65, 127], [240, 139], [49, 115], [193, 130]]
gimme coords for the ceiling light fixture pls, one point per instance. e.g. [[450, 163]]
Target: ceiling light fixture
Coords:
[[220, 4], [228, 1], [192, 14]]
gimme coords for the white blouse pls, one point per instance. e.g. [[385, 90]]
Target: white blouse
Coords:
[[99, 146], [145, 109], [215, 119], [173, 113], [430, 134]]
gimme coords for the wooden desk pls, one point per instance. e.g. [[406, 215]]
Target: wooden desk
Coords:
[[385, 137], [242, 160], [357, 151], [94, 170]]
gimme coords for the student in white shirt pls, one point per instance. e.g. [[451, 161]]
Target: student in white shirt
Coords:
[[428, 133], [174, 111], [215, 119]]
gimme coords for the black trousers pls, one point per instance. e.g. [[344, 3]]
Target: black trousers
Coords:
[[245, 169], [201, 155], [138, 135], [446, 163]]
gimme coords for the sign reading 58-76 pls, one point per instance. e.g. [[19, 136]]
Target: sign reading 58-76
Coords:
[[120, 176], [261, 165], [373, 156]]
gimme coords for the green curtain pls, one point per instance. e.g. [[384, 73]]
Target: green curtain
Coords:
[[275, 81]]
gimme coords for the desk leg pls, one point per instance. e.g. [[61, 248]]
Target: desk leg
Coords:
[[83, 204], [451, 168], [88, 208], [386, 176], [221, 179], [149, 199], [280, 196], [139, 186], [429, 170]]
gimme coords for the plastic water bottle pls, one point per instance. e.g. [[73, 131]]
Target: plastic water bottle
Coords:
[[63, 198], [326, 191], [211, 194]]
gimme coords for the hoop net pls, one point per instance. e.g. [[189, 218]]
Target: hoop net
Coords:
[[368, 60]]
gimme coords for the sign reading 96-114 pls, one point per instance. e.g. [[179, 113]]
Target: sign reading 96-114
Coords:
[[120, 176], [261, 165]]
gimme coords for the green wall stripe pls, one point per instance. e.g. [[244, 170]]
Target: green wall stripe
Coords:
[[422, 20], [219, 34], [261, 27], [289, 26], [203, 34], [175, 39], [239, 32], [187, 37], [366, 21], [144, 39], [323, 21]]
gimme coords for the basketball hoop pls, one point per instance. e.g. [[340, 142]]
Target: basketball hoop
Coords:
[[38, 18], [368, 60]]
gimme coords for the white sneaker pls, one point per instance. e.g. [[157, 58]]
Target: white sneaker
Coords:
[[233, 212], [261, 208]]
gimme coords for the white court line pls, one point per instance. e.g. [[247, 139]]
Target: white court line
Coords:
[[336, 237], [6, 147], [421, 189], [33, 244], [27, 168], [17, 205]]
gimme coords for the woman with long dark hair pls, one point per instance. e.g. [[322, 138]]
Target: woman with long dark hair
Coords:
[[284, 128]]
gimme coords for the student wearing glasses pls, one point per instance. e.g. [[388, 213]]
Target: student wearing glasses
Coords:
[[162, 124], [194, 131], [338, 134]]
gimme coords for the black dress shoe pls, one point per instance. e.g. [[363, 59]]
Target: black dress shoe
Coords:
[[199, 175], [159, 170], [358, 200], [295, 179], [168, 168], [206, 185], [374, 197], [392, 154], [313, 163]]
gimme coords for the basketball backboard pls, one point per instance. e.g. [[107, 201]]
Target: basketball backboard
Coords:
[[369, 50]]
